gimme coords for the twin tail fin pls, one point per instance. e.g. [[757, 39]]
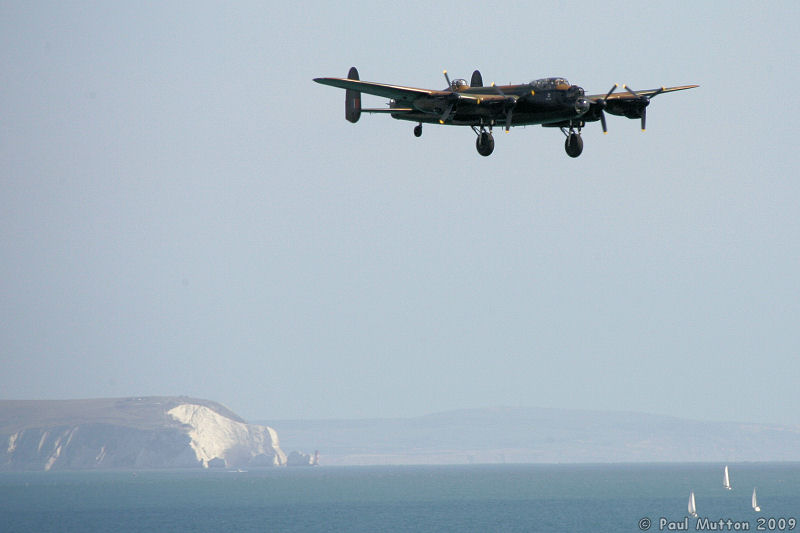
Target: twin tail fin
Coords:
[[352, 99]]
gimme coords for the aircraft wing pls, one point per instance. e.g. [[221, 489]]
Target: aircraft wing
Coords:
[[625, 95], [395, 92], [398, 92], [628, 103]]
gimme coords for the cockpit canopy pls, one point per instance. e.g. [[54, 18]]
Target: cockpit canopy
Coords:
[[549, 84], [458, 84]]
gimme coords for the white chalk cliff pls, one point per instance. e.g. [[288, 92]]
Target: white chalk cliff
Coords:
[[145, 432], [216, 437]]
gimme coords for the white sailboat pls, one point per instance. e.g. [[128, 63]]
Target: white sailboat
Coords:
[[726, 480], [756, 508], [692, 507]]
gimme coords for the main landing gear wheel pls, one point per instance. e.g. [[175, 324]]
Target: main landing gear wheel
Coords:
[[485, 143], [574, 144], [418, 130]]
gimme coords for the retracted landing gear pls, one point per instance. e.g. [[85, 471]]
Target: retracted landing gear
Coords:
[[418, 130], [485, 141], [574, 144]]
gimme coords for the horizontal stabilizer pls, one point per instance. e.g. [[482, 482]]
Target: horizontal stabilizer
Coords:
[[390, 110]]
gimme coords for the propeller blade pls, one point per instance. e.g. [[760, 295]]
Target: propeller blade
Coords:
[[510, 102], [634, 93], [603, 106], [659, 91], [645, 101], [446, 113], [637, 95], [449, 109]]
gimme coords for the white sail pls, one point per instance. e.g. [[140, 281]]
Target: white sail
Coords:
[[756, 508], [692, 508], [726, 480]]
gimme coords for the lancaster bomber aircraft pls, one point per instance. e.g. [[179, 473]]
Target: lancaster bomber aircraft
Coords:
[[551, 102]]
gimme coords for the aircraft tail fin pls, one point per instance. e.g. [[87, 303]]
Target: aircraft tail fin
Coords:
[[352, 99], [477, 80]]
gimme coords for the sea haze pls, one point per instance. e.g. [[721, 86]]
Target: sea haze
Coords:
[[536, 435], [545, 498]]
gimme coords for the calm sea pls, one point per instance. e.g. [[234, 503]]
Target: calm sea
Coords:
[[563, 498]]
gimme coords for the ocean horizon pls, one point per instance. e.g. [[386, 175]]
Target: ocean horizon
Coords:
[[510, 497]]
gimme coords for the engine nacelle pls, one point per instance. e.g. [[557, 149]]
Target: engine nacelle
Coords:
[[433, 105], [633, 108]]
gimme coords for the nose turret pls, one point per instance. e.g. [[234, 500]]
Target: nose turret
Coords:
[[577, 93], [582, 106]]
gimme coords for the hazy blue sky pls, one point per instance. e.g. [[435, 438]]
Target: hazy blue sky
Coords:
[[183, 211]]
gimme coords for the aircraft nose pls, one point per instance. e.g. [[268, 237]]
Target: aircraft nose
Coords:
[[581, 106]]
